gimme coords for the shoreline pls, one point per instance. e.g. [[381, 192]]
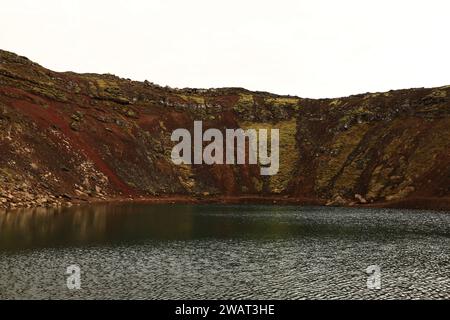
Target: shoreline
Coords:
[[425, 203]]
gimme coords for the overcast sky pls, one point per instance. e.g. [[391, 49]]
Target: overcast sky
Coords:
[[309, 48]]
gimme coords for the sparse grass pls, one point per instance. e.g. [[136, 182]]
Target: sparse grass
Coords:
[[283, 101], [372, 95], [355, 113], [288, 151], [50, 93], [102, 84], [245, 99], [438, 93], [343, 145], [196, 99], [335, 103], [244, 104], [106, 85]]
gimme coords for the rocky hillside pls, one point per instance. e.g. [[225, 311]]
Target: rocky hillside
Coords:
[[67, 137]]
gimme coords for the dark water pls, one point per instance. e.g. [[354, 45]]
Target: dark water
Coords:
[[211, 251]]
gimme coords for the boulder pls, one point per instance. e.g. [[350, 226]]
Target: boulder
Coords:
[[360, 199]]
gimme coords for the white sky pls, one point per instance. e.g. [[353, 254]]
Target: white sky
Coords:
[[310, 48]]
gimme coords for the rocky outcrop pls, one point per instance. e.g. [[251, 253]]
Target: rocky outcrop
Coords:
[[67, 137]]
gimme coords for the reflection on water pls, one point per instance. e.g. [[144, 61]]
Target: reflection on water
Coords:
[[212, 251], [92, 224], [129, 222], [108, 224]]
